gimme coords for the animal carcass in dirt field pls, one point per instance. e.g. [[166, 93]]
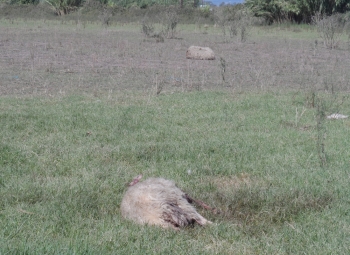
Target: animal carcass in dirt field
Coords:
[[200, 53], [157, 201]]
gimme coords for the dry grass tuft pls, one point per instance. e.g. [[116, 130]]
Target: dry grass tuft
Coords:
[[233, 183]]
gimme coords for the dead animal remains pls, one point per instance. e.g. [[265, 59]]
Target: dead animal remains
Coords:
[[200, 53], [157, 201]]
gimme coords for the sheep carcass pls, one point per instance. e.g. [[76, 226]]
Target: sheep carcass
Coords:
[[157, 201]]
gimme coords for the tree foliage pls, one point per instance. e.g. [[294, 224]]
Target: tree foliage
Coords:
[[295, 10], [62, 7]]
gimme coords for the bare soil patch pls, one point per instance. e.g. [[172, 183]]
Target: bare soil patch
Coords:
[[51, 57]]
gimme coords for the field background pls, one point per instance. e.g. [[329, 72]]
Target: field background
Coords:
[[84, 108]]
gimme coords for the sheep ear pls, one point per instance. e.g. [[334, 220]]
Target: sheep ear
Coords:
[[135, 180]]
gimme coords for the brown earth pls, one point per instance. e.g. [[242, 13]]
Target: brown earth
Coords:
[[48, 57]]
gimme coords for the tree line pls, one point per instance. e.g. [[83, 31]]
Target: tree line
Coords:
[[271, 10], [295, 10]]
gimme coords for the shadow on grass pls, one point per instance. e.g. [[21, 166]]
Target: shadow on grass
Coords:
[[256, 206], [258, 211]]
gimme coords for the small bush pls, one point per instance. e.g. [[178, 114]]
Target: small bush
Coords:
[[63, 7], [147, 28], [105, 17], [234, 21], [330, 29], [205, 11], [169, 21]]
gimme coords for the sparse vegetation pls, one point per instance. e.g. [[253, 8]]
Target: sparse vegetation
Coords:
[[321, 133], [63, 7], [105, 17], [169, 20], [234, 22], [147, 28], [330, 28]]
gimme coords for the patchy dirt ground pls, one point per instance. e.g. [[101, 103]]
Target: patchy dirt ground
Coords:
[[46, 57]]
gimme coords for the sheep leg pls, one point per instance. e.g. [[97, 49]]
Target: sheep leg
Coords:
[[202, 204], [135, 180]]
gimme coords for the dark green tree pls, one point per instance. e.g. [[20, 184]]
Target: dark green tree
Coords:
[[295, 10]]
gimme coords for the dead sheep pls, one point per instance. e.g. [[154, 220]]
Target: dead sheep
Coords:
[[157, 201]]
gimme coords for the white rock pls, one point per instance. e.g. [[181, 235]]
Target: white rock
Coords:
[[337, 116]]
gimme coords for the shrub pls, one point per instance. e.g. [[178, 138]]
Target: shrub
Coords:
[[205, 11], [235, 21], [147, 28], [169, 21], [105, 17], [62, 7], [330, 29]]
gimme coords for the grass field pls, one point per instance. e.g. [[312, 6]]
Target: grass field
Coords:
[[84, 110]]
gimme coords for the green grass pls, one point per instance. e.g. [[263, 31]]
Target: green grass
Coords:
[[65, 161]]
